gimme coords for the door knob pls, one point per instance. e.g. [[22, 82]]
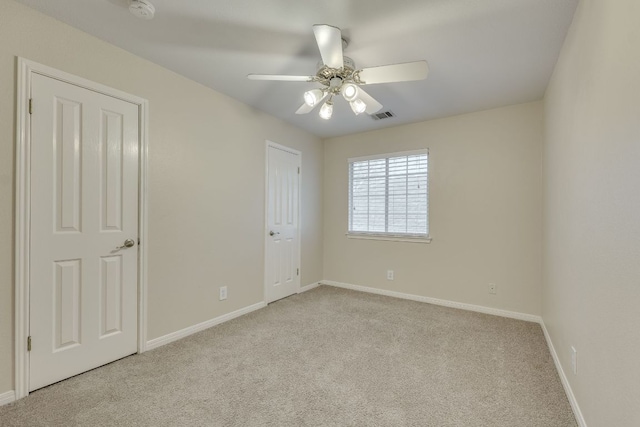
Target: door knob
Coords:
[[272, 233], [127, 244]]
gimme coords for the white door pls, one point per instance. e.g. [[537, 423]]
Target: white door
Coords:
[[283, 243], [84, 205]]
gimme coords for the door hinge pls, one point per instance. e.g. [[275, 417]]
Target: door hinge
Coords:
[[28, 343], [298, 170], [297, 271], [30, 106]]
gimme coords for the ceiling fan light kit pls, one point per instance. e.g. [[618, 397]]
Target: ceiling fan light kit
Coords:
[[349, 92], [338, 76], [326, 111], [358, 106], [313, 97]]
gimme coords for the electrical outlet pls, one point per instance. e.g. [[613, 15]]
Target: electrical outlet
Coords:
[[493, 288], [223, 293], [390, 275], [574, 360]]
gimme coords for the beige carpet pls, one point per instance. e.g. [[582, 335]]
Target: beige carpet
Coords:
[[328, 357]]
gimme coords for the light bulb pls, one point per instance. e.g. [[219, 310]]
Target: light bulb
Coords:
[[358, 106], [349, 92], [327, 110], [312, 97]]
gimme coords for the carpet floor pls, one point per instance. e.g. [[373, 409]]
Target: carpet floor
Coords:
[[327, 357]]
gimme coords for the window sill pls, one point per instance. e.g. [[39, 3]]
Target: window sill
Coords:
[[391, 238]]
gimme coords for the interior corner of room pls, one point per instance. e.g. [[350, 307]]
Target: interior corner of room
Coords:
[[532, 206]]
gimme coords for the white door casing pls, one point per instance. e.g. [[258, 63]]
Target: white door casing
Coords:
[[81, 167], [282, 245]]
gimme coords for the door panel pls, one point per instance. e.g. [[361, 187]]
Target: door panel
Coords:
[[67, 165], [282, 246], [84, 204], [110, 295], [66, 302], [111, 171]]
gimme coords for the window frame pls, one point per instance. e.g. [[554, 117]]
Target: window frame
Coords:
[[381, 235]]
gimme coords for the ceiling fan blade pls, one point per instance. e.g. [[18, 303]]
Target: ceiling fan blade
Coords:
[[373, 106], [279, 77], [305, 109], [330, 44], [395, 73]]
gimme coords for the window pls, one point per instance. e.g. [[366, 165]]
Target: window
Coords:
[[388, 196]]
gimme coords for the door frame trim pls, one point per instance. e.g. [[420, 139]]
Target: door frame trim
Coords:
[[25, 70], [271, 144]]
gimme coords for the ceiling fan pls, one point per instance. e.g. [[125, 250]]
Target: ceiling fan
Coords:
[[338, 76]]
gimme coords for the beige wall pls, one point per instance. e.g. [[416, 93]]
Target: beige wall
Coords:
[[486, 197], [207, 162], [591, 291], [485, 215]]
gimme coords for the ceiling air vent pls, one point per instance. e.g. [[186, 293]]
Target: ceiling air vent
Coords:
[[383, 115]]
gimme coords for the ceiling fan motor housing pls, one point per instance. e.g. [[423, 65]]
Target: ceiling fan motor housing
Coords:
[[333, 78], [348, 64]]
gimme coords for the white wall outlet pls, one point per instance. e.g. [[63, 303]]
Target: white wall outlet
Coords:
[[574, 360], [390, 275], [223, 293], [493, 288]]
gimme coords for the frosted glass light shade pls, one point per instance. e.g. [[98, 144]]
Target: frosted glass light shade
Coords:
[[349, 92], [358, 106], [312, 97], [326, 111]]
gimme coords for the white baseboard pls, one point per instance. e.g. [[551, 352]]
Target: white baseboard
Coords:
[[308, 287], [174, 336], [563, 378], [436, 301], [7, 397]]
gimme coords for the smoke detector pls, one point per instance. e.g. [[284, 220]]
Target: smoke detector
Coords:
[[142, 9]]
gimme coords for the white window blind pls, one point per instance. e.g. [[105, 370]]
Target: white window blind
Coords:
[[388, 195]]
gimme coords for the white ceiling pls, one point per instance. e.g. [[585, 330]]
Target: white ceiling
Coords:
[[481, 53]]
